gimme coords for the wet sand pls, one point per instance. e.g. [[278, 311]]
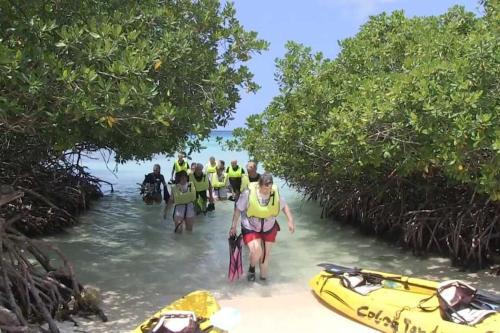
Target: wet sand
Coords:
[[300, 311]]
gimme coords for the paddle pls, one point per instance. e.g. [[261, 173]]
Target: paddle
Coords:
[[487, 301], [338, 270]]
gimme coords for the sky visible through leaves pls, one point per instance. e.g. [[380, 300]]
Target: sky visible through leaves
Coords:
[[318, 24]]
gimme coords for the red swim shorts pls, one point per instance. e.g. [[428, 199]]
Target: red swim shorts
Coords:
[[268, 236]]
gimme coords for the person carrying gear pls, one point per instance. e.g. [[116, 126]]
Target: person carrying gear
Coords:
[[151, 187], [258, 206]]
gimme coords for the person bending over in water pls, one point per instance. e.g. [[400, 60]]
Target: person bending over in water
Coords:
[[151, 187], [202, 184], [258, 207], [184, 196]]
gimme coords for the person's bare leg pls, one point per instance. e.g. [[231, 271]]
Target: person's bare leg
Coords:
[[263, 266], [165, 211], [255, 249], [236, 195], [189, 224], [178, 224]]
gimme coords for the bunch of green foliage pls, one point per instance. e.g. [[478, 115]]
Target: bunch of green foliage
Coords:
[[406, 97], [137, 77], [400, 133]]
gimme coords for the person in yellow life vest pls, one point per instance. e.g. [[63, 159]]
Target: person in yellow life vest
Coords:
[[211, 167], [252, 175], [219, 182], [258, 206], [183, 196], [234, 174], [179, 165], [202, 185]]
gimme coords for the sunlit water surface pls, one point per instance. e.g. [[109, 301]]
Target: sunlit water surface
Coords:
[[130, 252]]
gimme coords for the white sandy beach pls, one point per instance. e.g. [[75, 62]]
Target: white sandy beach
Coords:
[[299, 311]]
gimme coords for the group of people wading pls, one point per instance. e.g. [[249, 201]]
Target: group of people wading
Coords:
[[195, 188]]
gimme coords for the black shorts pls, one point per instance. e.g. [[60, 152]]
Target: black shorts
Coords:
[[235, 184], [202, 194]]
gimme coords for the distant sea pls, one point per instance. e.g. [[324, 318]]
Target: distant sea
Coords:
[[126, 176]]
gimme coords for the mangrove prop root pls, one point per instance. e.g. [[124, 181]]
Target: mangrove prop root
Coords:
[[424, 213], [34, 295], [55, 186], [40, 193]]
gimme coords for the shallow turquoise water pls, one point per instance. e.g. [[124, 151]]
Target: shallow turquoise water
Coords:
[[129, 251]]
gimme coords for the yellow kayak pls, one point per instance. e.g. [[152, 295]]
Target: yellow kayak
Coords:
[[201, 302], [395, 304]]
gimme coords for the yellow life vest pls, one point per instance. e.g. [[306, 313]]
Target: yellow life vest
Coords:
[[182, 198], [179, 168], [255, 209], [244, 182], [234, 174], [216, 183], [201, 185], [210, 168]]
